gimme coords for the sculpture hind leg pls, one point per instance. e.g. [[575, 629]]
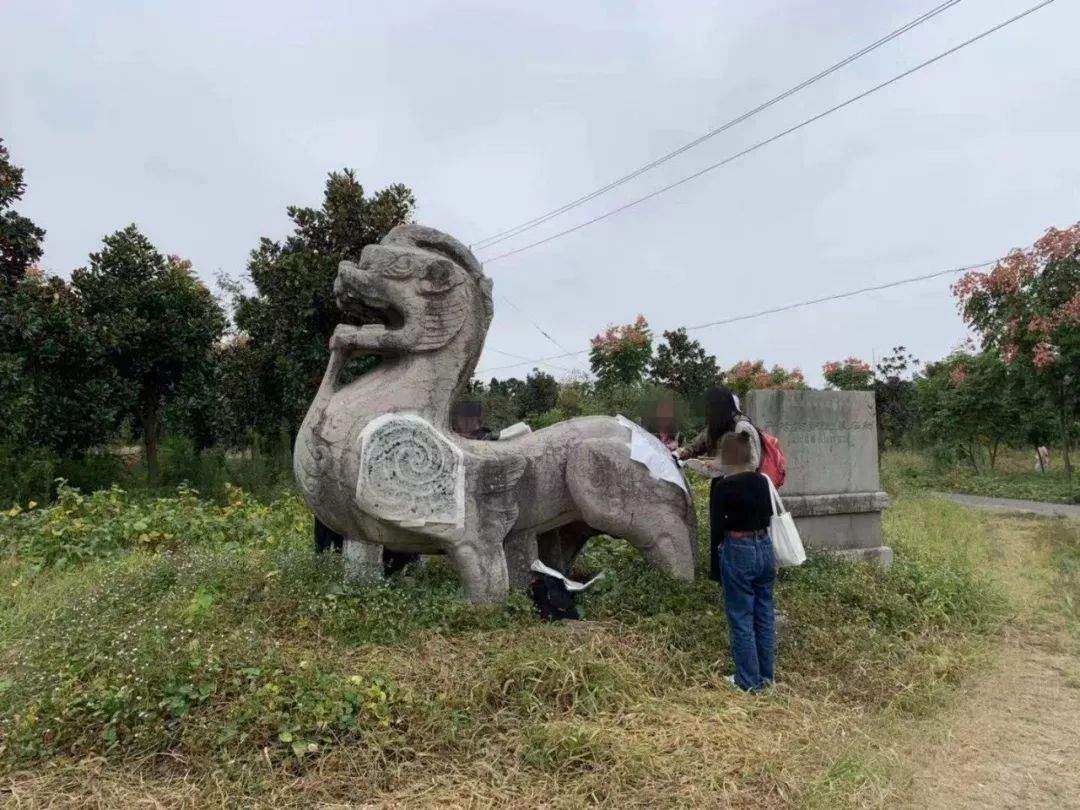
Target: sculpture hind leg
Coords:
[[618, 496]]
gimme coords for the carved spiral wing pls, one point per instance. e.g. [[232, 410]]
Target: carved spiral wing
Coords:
[[410, 473]]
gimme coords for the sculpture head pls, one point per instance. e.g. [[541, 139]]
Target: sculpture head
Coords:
[[420, 284]]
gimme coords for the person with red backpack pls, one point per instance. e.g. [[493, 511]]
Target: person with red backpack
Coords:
[[723, 414]]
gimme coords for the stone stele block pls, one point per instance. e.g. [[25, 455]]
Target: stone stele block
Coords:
[[833, 486]]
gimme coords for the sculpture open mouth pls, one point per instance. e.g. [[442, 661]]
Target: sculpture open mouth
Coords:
[[363, 310]]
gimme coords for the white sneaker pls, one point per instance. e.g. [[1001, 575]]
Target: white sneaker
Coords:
[[730, 680]]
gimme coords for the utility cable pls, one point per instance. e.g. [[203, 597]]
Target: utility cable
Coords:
[[503, 235], [773, 138], [775, 310]]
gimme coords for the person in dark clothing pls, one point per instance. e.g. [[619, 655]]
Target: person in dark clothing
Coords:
[[466, 419], [326, 539], [741, 558]]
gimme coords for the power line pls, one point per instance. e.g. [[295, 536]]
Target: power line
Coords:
[[527, 360], [776, 137], [775, 310], [534, 324], [502, 236]]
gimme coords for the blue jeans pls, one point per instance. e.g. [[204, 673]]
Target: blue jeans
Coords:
[[747, 572]]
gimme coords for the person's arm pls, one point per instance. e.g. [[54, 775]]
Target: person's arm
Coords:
[[698, 446]]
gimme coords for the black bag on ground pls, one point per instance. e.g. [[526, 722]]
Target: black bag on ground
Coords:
[[553, 600]]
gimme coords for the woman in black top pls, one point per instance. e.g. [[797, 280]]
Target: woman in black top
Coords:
[[741, 557]]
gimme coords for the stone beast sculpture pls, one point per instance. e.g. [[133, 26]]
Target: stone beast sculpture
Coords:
[[376, 459]]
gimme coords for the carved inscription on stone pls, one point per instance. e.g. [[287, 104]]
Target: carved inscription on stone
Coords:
[[409, 473]]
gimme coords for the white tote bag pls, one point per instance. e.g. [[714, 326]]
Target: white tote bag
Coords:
[[786, 543]]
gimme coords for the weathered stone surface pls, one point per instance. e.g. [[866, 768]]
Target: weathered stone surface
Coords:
[[830, 532], [829, 438], [363, 561], [833, 486], [842, 503], [420, 301]]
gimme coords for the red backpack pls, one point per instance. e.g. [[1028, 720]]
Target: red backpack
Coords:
[[773, 463]]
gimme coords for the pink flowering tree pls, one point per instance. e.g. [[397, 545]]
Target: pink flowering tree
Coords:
[[851, 374], [746, 376], [621, 354], [1027, 308]]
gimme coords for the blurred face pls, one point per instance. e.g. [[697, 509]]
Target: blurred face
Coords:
[[665, 417]]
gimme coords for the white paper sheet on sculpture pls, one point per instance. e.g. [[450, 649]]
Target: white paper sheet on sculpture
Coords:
[[648, 450], [410, 473]]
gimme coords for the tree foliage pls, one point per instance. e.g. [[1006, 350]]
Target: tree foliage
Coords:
[[20, 239], [746, 376], [1027, 308], [292, 313], [682, 365], [964, 403], [539, 394], [621, 354], [156, 323], [894, 396], [57, 390], [851, 374]]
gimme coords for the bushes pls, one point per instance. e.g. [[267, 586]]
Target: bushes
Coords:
[[79, 528], [26, 474]]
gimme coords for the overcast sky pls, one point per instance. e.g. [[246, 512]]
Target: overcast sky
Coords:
[[202, 121]]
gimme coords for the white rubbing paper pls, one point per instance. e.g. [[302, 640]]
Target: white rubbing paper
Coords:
[[648, 450], [571, 585]]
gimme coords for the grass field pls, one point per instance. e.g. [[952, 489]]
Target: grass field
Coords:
[[1014, 476], [195, 653]]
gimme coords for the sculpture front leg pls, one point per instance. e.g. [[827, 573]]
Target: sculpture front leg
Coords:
[[363, 561], [482, 568]]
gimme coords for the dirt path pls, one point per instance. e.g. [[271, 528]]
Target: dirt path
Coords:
[[1014, 740], [1013, 505]]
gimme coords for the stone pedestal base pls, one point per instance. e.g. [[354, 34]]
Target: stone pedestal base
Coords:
[[847, 524]]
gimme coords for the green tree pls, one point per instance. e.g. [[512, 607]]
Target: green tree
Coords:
[[621, 354], [1027, 307], [851, 374], [57, 390], [20, 239], [682, 365], [965, 403], [292, 314], [894, 396], [236, 391], [501, 402], [538, 395], [157, 325]]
